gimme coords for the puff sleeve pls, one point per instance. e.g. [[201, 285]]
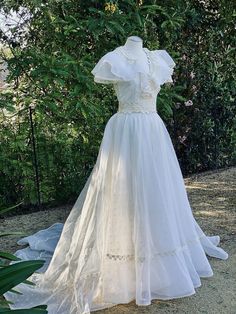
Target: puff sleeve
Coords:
[[109, 69], [164, 67]]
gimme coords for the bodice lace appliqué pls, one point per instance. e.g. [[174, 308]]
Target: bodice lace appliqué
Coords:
[[142, 92]]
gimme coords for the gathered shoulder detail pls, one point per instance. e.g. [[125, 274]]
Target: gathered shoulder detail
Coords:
[[115, 67], [112, 68], [163, 66]]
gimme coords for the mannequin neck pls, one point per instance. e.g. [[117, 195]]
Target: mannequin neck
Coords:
[[134, 45]]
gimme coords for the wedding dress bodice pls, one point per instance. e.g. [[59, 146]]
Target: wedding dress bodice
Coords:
[[136, 88]]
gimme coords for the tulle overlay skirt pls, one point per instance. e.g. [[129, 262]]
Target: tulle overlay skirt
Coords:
[[131, 233]]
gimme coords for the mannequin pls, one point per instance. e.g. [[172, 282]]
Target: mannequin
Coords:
[[134, 45], [133, 49]]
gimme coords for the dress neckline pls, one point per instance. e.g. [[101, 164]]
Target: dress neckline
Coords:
[[133, 59]]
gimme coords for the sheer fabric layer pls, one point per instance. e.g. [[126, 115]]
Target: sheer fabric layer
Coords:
[[132, 222], [114, 67]]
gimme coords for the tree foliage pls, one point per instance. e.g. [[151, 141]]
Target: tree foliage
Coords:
[[50, 55]]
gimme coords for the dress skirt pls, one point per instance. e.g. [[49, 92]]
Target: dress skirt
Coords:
[[131, 234]]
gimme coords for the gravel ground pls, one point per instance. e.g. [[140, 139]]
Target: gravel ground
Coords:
[[212, 196]]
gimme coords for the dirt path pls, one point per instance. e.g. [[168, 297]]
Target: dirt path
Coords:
[[213, 199]]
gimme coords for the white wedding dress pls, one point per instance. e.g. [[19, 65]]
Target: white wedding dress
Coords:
[[131, 234]]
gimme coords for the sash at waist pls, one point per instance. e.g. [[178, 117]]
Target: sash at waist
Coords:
[[137, 107]]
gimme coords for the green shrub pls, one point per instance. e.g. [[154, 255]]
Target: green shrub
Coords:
[[50, 70]]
